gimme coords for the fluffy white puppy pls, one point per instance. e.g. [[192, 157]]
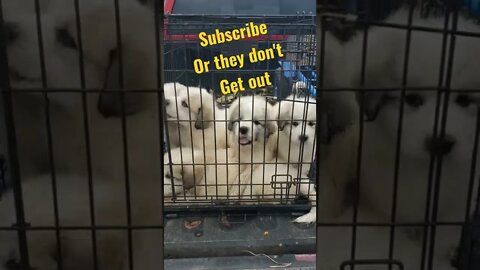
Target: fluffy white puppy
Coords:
[[252, 133], [183, 169], [192, 113], [61, 47], [222, 170], [297, 131], [199, 175], [414, 179], [178, 132], [251, 129], [84, 140]]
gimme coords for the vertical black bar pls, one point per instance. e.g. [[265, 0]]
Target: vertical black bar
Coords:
[[433, 157], [438, 169], [359, 149], [398, 145], [161, 94], [48, 130], [12, 148], [124, 133], [86, 128], [465, 234], [319, 62]]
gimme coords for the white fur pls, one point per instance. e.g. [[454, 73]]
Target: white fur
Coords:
[[281, 182], [184, 171], [63, 72], [106, 139], [385, 69], [254, 115], [297, 121], [192, 113], [221, 172]]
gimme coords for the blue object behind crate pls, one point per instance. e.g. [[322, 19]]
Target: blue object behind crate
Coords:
[[306, 74], [469, 253], [473, 6]]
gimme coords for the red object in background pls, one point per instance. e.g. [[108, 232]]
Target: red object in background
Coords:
[[168, 6]]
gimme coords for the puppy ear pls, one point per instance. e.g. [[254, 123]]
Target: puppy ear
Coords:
[[281, 124], [111, 104], [137, 43], [205, 112], [270, 127], [199, 123], [230, 125], [372, 102], [233, 114]]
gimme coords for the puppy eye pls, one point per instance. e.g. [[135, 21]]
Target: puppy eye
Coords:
[[463, 101], [63, 37], [295, 124], [311, 123], [184, 104], [414, 100], [256, 123], [168, 176]]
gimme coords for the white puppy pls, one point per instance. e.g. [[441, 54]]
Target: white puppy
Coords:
[[61, 46], [183, 169], [192, 113], [178, 132], [414, 179], [252, 134], [251, 129], [63, 71], [297, 131], [222, 170]]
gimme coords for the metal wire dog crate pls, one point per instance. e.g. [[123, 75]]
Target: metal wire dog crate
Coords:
[[338, 21], [296, 33], [303, 37]]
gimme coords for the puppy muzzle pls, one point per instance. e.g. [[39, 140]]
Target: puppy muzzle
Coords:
[[244, 140]]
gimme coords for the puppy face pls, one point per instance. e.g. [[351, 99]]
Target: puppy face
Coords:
[[61, 48], [419, 117], [190, 105], [298, 118], [60, 53], [172, 93], [297, 128], [250, 120]]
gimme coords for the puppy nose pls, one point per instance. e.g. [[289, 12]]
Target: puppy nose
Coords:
[[303, 138], [243, 130], [439, 146]]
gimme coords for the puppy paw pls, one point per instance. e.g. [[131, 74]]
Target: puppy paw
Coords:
[[307, 218]]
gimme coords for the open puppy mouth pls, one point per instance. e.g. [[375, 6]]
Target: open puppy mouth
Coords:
[[244, 141]]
